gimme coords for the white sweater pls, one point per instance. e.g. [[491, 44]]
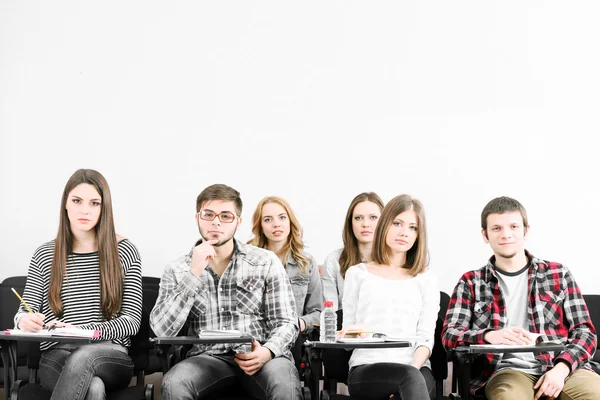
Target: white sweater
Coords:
[[395, 307]]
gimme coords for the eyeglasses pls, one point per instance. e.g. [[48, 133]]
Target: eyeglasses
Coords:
[[225, 217]]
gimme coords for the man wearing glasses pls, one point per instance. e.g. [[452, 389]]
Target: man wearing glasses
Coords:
[[225, 284]]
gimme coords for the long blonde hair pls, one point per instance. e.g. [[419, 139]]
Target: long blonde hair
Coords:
[[294, 243], [416, 257], [111, 271], [350, 255]]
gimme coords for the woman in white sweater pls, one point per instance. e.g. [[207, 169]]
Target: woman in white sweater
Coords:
[[359, 228], [397, 295]]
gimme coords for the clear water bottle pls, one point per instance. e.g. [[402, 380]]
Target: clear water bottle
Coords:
[[328, 323]]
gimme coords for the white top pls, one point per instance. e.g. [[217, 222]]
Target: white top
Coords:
[[404, 308], [333, 283], [513, 286]]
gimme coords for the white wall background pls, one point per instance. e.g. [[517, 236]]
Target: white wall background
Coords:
[[452, 102]]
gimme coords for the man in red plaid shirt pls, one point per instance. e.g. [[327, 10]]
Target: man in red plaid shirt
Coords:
[[512, 300]]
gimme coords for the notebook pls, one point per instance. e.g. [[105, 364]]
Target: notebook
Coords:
[[71, 332], [361, 336], [511, 346], [224, 333], [361, 340], [389, 338]]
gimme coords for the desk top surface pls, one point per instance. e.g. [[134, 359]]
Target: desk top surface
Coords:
[[354, 345], [42, 338], [483, 349], [197, 340]]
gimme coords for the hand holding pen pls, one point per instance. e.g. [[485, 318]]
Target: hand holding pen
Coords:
[[34, 322], [31, 322]]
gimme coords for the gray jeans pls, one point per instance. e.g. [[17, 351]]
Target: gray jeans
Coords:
[[201, 376], [86, 372]]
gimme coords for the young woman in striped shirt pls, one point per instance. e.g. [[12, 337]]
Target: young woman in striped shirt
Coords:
[[86, 278]]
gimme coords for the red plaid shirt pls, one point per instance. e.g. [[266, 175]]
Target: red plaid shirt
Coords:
[[556, 308]]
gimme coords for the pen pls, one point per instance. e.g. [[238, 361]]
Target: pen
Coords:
[[22, 301]]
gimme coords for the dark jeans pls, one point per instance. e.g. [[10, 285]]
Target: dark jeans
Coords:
[[380, 380], [201, 376], [86, 372]]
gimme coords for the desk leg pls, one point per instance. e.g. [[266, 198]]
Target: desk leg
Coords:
[[4, 347], [465, 371], [163, 355], [316, 371]]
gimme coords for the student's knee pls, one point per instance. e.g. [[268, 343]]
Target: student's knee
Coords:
[[509, 384], [283, 381], [412, 375], [177, 384], [81, 358], [582, 384], [174, 379], [96, 391]]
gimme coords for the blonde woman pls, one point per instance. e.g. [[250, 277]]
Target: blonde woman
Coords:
[[397, 295], [276, 228]]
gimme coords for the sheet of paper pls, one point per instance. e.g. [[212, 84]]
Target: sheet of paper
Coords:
[[219, 333], [76, 332], [43, 332], [72, 332], [361, 340], [389, 338]]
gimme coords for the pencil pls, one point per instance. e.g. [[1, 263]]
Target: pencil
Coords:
[[22, 301]]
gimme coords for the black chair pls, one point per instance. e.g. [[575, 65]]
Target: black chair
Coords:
[[335, 361], [139, 351], [9, 304], [593, 304], [150, 286]]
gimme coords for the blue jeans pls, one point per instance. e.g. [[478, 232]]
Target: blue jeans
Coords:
[[86, 372], [380, 380], [201, 376]]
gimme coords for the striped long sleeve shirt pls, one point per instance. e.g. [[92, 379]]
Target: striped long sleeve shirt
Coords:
[[81, 296], [556, 309], [253, 295]]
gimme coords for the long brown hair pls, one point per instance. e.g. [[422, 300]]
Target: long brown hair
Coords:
[[294, 243], [350, 255], [111, 271], [416, 257]]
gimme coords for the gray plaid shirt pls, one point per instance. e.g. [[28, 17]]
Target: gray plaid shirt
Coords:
[[253, 295]]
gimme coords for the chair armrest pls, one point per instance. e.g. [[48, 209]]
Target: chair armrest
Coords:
[[463, 361], [169, 355]]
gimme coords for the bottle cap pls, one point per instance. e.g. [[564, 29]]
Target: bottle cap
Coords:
[[328, 303]]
